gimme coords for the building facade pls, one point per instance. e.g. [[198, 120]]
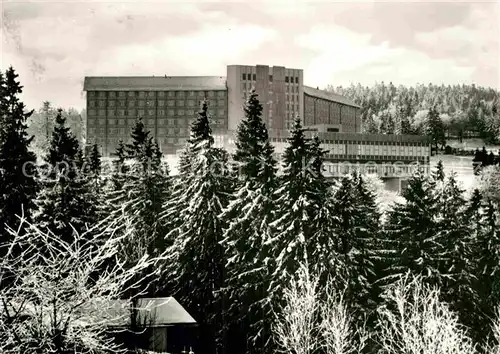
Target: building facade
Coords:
[[167, 105], [392, 157]]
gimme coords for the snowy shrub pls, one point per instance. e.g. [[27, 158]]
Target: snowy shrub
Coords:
[[415, 321], [312, 320], [489, 186], [60, 297]]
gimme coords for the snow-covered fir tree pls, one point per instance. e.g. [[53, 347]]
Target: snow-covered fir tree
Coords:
[[247, 218], [66, 203], [18, 185], [94, 171], [302, 232], [485, 260], [197, 270], [140, 187], [453, 230], [411, 231]]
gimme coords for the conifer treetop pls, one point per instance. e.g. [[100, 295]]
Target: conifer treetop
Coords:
[[64, 146], [200, 129]]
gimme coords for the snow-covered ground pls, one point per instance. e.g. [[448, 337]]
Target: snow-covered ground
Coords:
[[462, 166]]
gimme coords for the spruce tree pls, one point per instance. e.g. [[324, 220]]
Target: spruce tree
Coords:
[[435, 128], [197, 272], [94, 166], [141, 186], [485, 260], [298, 237], [455, 237], [18, 172], [66, 203], [247, 217], [411, 230]]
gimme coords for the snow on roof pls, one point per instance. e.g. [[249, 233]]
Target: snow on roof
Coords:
[[153, 312], [330, 96]]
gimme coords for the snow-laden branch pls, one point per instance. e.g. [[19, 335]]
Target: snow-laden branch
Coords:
[[57, 296], [415, 321], [296, 327], [312, 320]]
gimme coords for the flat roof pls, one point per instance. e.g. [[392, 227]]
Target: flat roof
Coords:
[[153, 83], [330, 96]]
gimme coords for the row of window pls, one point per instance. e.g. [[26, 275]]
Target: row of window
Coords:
[[383, 169], [151, 103], [363, 150], [113, 142], [151, 112], [153, 94], [249, 86], [253, 77], [123, 131], [147, 122]]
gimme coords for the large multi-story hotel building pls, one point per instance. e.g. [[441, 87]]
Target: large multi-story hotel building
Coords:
[[168, 104]]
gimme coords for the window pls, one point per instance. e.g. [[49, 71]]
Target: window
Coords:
[[161, 112], [211, 94], [190, 103], [161, 94], [151, 112], [111, 113], [161, 103], [191, 94], [296, 79], [171, 112], [121, 121], [141, 103], [142, 94], [131, 103], [102, 104], [254, 77], [91, 131], [286, 79], [140, 113], [151, 94], [221, 103], [180, 112], [161, 121], [221, 93], [171, 103], [270, 78], [131, 112], [102, 94], [180, 94], [243, 86], [151, 122], [131, 94], [221, 112], [92, 94], [171, 93], [92, 104], [102, 112], [244, 76], [150, 103], [181, 103]]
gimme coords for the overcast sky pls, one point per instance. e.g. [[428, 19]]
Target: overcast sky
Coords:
[[54, 44]]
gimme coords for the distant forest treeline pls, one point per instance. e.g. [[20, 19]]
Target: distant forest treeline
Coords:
[[465, 110]]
